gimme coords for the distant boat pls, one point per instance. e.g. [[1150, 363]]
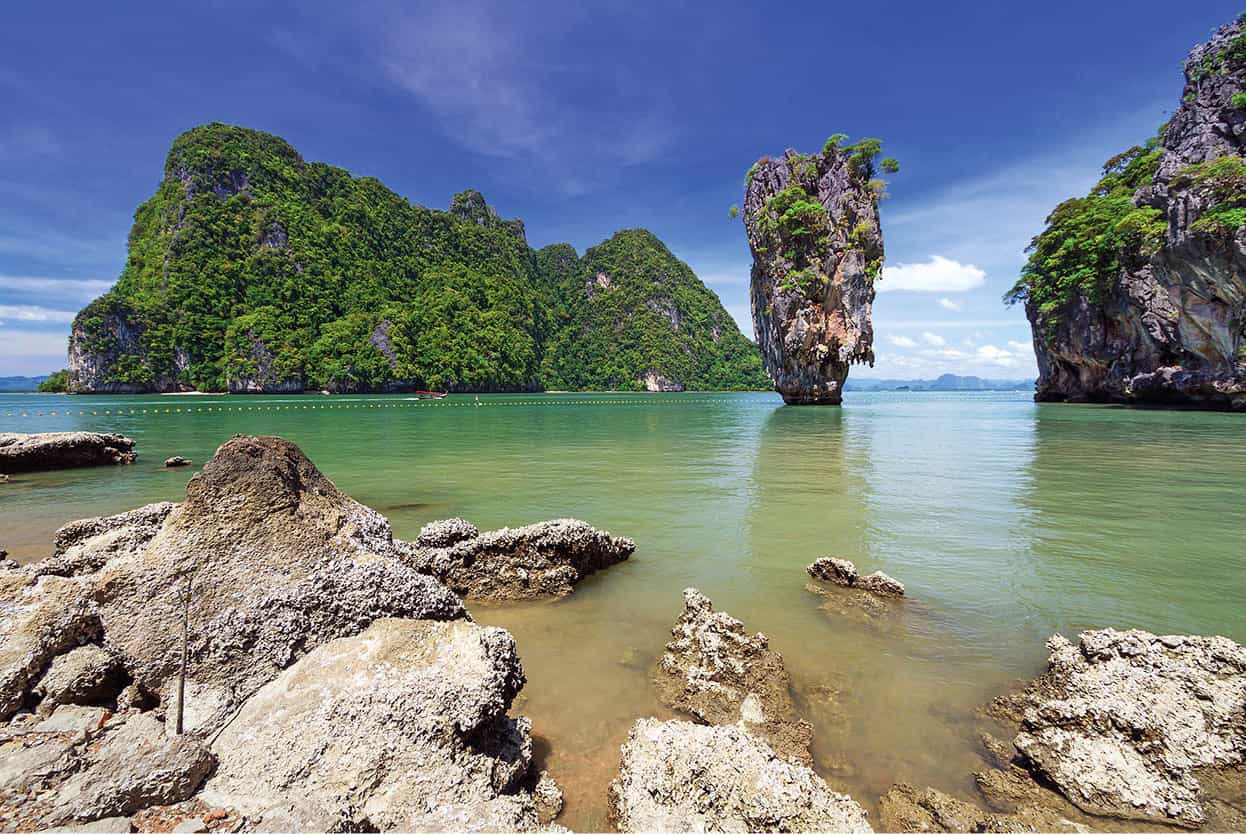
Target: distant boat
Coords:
[[431, 395]]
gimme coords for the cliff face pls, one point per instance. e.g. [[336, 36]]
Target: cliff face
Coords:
[[1162, 318], [251, 270], [812, 225]]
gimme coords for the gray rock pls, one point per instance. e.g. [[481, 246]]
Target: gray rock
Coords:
[[108, 825], [72, 718], [84, 546], [29, 760], [881, 584], [812, 288], [716, 672], [403, 726], [839, 571], [445, 533], [193, 825], [1167, 328], [135, 765], [1121, 722], [85, 675], [680, 776], [175, 461], [546, 559], [62, 450], [277, 561]]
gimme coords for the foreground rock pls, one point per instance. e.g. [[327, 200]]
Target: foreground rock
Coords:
[[546, 559], [905, 808], [813, 229], [63, 450], [680, 776], [718, 673], [1161, 323], [1125, 724], [401, 727]]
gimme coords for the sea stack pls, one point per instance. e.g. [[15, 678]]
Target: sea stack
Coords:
[[812, 223], [1136, 293]]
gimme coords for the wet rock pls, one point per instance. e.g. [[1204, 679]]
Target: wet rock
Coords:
[[843, 572], [680, 776], [905, 808], [135, 764], [812, 282], [1122, 722], [403, 726], [62, 450], [85, 675], [276, 561], [545, 559], [84, 546], [718, 673], [547, 798], [175, 461]]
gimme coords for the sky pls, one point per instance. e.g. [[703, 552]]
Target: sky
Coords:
[[586, 117]]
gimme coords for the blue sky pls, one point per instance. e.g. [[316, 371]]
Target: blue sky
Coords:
[[584, 118]]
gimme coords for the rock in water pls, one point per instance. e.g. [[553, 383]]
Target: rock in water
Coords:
[[812, 225], [175, 461], [545, 559], [401, 727], [1121, 722], [1155, 316], [718, 673], [680, 776], [63, 450]]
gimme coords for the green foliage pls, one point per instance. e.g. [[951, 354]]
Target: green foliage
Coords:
[[249, 263], [834, 142], [55, 383], [1080, 252], [1224, 178], [733, 212], [1238, 101], [890, 165], [629, 307]]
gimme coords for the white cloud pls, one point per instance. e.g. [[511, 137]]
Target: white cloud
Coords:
[[1020, 347], [933, 339], [937, 274], [949, 304], [86, 287], [30, 312], [31, 352], [992, 355], [902, 341]]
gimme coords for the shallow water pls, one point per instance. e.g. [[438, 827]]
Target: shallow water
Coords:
[[1007, 520]]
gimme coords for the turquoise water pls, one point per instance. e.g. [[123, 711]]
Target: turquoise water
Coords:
[[1007, 520]]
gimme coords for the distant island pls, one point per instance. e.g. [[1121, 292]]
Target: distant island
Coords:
[[946, 382], [253, 271], [14, 384]]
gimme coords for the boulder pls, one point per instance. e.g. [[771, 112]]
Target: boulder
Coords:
[[718, 673], [264, 560], [134, 764], [404, 726], [84, 546], [546, 559], [175, 461], [881, 584], [62, 450], [1124, 722], [85, 675], [680, 776]]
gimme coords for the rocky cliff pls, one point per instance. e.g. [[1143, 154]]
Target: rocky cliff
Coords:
[[252, 270], [1137, 292], [817, 247]]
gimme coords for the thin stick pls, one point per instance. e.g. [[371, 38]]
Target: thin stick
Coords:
[[181, 674]]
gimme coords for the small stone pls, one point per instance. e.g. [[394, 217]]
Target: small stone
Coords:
[[881, 584], [193, 825], [839, 571], [176, 460], [73, 719]]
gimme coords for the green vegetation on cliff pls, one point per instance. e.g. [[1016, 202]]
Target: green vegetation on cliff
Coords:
[[55, 383], [251, 269], [1080, 250]]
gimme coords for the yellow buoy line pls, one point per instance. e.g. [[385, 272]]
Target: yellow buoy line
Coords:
[[219, 409]]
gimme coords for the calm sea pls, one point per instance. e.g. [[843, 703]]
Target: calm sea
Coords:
[[1007, 520]]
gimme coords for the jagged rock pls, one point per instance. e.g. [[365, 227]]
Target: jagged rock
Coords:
[[1166, 328], [812, 281], [403, 726], [1121, 722], [176, 460], [905, 808], [446, 533], [547, 797], [545, 559], [86, 675], [277, 561], [134, 764], [680, 776], [843, 572], [84, 546], [716, 672], [62, 450]]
